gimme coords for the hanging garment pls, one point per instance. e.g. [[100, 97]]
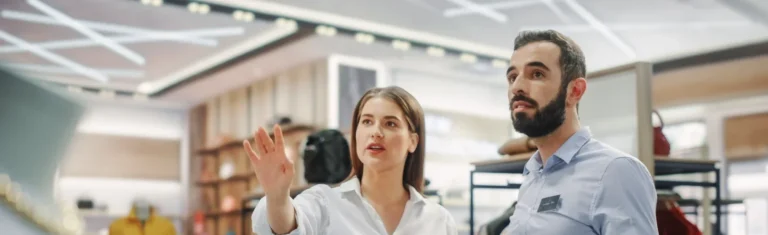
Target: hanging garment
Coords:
[[132, 225], [672, 221], [661, 146]]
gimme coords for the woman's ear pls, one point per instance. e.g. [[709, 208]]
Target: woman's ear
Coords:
[[414, 143]]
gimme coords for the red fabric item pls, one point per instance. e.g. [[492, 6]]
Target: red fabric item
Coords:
[[661, 145], [673, 222]]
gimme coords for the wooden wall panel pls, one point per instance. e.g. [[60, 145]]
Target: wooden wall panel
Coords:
[[212, 122], [225, 115], [320, 86], [284, 94], [746, 137], [239, 113], [100, 155], [262, 103], [299, 93], [713, 82], [304, 95]]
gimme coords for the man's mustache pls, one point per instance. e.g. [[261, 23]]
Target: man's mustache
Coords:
[[523, 98]]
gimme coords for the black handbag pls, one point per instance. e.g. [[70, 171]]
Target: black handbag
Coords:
[[326, 157]]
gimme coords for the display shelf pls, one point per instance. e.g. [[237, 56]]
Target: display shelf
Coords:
[[662, 166], [287, 130], [234, 178]]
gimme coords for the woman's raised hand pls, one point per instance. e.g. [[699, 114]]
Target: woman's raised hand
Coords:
[[272, 166]]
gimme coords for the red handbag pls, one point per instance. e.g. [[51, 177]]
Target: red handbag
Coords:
[[660, 143]]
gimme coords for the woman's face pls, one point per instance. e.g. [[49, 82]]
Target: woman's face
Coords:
[[383, 139]]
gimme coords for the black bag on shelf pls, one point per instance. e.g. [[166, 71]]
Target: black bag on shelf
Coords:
[[326, 157]]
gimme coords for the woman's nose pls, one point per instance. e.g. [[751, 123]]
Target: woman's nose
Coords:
[[376, 132]]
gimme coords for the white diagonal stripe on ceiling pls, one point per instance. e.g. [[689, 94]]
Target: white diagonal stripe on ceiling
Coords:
[[117, 48], [114, 28], [54, 57], [600, 27], [78, 43], [490, 13]]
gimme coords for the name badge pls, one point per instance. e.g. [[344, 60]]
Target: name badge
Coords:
[[549, 203]]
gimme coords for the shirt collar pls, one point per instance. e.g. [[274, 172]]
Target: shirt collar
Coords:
[[353, 186], [565, 153]]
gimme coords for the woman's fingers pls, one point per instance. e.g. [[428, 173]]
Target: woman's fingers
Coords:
[[264, 142], [251, 154]]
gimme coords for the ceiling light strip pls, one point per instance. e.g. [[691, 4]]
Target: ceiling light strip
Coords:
[[358, 25], [602, 28], [117, 48], [121, 29], [54, 57], [259, 41], [327, 30], [53, 69]]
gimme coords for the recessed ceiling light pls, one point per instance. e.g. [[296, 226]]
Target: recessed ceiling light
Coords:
[[401, 45], [145, 87], [436, 51], [140, 97], [469, 58], [107, 93], [500, 63]]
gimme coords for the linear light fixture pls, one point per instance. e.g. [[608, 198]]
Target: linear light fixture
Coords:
[[482, 10], [114, 28], [351, 26], [53, 57], [117, 48], [53, 69], [459, 11], [78, 43], [274, 34], [600, 27]]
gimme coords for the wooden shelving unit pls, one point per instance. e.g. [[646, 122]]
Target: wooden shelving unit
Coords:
[[222, 198]]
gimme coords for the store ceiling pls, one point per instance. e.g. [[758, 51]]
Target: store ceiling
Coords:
[[111, 44], [610, 33]]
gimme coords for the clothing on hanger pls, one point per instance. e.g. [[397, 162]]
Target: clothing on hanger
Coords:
[[671, 219]]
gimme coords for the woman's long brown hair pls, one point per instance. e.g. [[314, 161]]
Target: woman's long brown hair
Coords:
[[413, 173]]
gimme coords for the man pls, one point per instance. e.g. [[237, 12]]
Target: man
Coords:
[[573, 184]]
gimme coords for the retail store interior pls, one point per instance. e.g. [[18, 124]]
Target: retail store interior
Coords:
[[111, 105]]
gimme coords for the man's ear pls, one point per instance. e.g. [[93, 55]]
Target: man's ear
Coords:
[[576, 90], [414, 143]]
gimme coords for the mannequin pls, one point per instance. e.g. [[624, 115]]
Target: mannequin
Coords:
[[142, 221], [143, 210]]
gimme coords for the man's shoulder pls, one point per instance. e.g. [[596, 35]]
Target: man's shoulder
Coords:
[[596, 150], [607, 158]]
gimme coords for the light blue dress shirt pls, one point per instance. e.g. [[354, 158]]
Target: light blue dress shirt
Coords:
[[601, 190]]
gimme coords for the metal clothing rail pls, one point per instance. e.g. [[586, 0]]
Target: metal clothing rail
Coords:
[[663, 166]]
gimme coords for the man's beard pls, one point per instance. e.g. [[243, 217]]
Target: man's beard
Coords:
[[545, 121]]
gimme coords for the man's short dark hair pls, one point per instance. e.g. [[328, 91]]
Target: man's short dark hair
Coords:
[[572, 62]]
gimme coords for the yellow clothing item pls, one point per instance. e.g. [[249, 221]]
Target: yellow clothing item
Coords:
[[131, 225]]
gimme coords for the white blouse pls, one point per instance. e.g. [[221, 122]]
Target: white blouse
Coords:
[[322, 210]]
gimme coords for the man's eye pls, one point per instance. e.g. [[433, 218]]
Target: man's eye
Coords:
[[538, 74]]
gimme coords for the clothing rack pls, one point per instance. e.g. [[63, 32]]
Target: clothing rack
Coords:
[[663, 166]]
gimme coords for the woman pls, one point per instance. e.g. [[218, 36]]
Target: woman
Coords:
[[382, 197]]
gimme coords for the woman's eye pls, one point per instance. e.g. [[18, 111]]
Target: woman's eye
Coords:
[[365, 121], [391, 124]]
